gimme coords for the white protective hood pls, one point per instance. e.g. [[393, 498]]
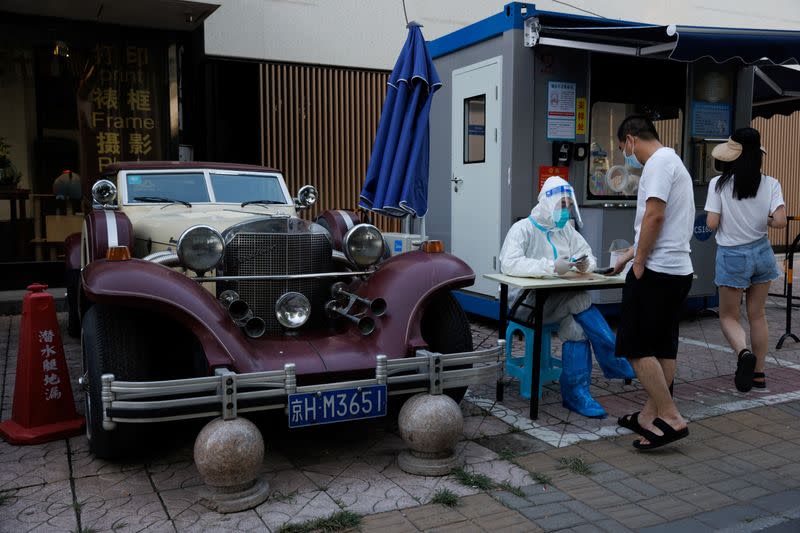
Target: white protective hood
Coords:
[[549, 200]]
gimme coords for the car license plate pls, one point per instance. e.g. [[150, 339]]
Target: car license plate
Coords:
[[328, 407]]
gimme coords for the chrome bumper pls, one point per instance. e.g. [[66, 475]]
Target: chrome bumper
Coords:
[[227, 393]]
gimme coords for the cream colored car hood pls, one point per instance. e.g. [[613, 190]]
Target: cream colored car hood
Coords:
[[161, 226]]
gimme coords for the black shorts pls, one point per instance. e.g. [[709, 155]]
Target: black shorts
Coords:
[[651, 309]]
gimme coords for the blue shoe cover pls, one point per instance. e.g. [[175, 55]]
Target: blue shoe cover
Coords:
[[576, 377], [604, 343]]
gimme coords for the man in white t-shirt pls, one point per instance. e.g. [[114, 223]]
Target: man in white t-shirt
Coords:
[[658, 282]]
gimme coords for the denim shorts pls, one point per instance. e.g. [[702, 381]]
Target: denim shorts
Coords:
[[746, 264]]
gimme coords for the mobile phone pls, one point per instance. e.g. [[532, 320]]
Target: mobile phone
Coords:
[[604, 271]]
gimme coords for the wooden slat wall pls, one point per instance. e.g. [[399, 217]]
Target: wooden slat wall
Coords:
[[670, 132], [318, 127], [780, 135]]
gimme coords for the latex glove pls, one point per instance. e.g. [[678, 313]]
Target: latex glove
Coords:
[[582, 265], [562, 265]]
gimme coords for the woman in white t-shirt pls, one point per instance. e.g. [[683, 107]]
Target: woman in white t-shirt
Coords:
[[741, 203]]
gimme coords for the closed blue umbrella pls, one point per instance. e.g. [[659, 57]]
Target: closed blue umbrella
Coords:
[[397, 175]]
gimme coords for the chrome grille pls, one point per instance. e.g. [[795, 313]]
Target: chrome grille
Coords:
[[253, 254]]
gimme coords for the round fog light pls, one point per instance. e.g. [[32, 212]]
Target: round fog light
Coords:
[[292, 310]]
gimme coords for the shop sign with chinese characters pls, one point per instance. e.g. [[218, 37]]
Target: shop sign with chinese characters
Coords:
[[580, 116], [546, 171], [560, 111], [120, 103]]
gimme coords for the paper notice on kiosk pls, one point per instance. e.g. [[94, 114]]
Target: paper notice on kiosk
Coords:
[[560, 111]]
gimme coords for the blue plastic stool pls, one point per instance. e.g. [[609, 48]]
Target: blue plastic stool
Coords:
[[520, 367]]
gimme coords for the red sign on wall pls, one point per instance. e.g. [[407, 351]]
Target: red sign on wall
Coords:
[[546, 171]]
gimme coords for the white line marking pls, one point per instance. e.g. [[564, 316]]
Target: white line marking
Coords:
[[693, 342], [782, 362], [786, 364]]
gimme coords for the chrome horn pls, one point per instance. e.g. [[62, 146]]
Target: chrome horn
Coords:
[[227, 297], [238, 309], [255, 327], [377, 306], [364, 324]]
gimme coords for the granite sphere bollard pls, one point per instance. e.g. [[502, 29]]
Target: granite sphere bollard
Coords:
[[228, 454], [431, 425]]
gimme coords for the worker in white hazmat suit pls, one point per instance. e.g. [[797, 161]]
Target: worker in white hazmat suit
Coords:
[[546, 244]]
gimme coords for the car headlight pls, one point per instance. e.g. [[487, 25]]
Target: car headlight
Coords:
[[200, 248], [292, 310], [363, 245]]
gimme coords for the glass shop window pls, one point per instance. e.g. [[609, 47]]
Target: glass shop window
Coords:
[[475, 129], [609, 177]]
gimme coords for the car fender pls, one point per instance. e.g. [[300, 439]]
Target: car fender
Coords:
[[408, 282], [337, 222], [104, 228], [72, 251], [152, 287]]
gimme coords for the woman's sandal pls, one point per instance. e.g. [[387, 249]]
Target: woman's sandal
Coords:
[[759, 384], [656, 441], [745, 366]]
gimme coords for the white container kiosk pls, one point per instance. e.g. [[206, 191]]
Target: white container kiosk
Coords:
[[528, 89]]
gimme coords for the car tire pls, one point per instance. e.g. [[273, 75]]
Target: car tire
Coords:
[[72, 278], [111, 345], [446, 329]]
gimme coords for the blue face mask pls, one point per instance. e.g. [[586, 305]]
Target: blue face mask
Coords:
[[630, 160], [561, 218]]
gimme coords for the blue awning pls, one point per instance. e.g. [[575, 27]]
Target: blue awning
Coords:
[[776, 90], [725, 44], [684, 43], [764, 49], [773, 53], [681, 43]]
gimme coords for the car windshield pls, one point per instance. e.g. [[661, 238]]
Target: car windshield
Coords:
[[174, 186], [238, 188]]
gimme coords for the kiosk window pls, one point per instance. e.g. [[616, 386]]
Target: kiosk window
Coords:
[[475, 129], [609, 177]]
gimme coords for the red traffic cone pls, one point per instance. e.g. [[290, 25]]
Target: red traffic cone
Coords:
[[44, 408]]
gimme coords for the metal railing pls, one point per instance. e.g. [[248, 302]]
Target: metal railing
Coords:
[[787, 280], [226, 394], [786, 256]]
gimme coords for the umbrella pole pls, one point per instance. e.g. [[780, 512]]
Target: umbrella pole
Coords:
[[408, 224]]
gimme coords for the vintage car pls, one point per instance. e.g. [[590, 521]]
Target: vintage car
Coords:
[[199, 292]]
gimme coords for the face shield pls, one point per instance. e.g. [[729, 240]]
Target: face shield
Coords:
[[562, 206]]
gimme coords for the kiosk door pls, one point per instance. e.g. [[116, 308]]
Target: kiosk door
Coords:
[[475, 183]]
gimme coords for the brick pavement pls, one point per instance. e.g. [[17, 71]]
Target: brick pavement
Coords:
[[679, 488], [738, 470]]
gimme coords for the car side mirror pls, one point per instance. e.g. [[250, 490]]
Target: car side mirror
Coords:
[[306, 197], [104, 192]]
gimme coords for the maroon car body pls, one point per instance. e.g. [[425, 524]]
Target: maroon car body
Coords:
[[154, 316]]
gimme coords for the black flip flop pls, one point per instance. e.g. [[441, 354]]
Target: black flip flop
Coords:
[[631, 422], [656, 441], [745, 367], [759, 384]]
